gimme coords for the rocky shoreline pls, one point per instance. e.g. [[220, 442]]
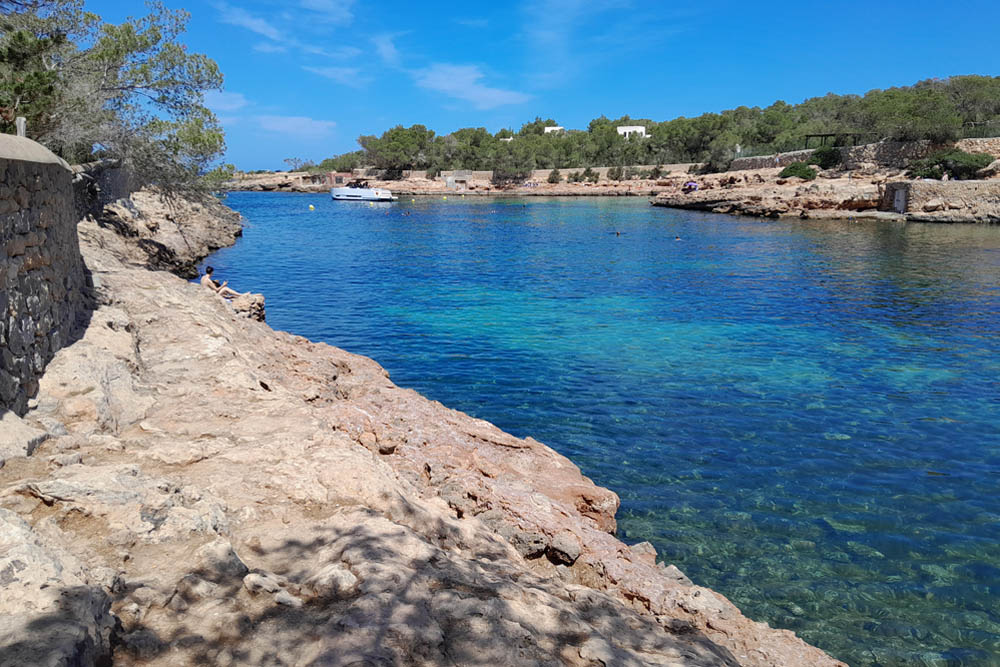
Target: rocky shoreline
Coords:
[[422, 187], [190, 486], [839, 195], [863, 187]]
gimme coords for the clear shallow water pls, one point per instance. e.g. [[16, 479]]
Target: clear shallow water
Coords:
[[804, 416]]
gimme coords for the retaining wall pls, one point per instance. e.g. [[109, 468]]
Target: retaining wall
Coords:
[[928, 196], [538, 175], [97, 184], [989, 145], [42, 279], [895, 154]]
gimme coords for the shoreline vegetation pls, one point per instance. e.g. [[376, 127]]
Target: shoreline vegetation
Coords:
[[842, 183], [935, 110]]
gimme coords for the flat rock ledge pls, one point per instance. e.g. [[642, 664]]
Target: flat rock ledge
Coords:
[[196, 488], [834, 194]]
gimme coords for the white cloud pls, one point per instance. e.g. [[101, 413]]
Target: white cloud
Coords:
[[463, 82], [244, 19], [297, 126], [222, 101], [332, 11], [348, 76], [281, 41], [386, 49], [269, 47], [336, 53]]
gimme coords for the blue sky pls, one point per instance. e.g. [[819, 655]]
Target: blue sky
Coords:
[[305, 78]]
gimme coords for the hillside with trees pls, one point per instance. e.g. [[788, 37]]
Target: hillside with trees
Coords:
[[90, 89], [940, 110]]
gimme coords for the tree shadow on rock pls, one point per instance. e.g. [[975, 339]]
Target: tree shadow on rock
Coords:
[[363, 590]]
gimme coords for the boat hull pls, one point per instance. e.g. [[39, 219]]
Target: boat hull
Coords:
[[361, 194]]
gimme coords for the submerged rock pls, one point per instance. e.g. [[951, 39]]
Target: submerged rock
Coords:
[[235, 502]]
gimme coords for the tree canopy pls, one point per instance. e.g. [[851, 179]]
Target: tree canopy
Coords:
[[937, 109], [92, 89]]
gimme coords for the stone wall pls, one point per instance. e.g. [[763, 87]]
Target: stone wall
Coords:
[[939, 196], [42, 276], [538, 175], [769, 161], [97, 184], [893, 154], [989, 145]]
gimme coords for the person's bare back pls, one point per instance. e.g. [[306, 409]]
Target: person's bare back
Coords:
[[218, 288]]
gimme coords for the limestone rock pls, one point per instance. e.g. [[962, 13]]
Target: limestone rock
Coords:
[[250, 306], [255, 582], [989, 171], [218, 558], [645, 552], [565, 547], [285, 598], [172, 235], [332, 581], [50, 614], [17, 438]]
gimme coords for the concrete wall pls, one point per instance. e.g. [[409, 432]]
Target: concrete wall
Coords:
[[42, 276]]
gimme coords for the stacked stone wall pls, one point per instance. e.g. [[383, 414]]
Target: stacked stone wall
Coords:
[[892, 154], [42, 279], [97, 184], [989, 145], [932, 196], [770, 161], [538, 175]]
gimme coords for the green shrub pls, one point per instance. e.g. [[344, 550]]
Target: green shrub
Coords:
[[432, 173], [616, 174], [958, 164], [575, 177], [590, 175], [826, 157], [555, 176], [657, 172], [798, 169]]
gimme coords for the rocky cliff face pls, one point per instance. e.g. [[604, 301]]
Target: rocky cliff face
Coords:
[[169, 235], [203, 489]]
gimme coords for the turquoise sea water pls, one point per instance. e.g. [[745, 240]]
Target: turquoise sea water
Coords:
[[804, 416]]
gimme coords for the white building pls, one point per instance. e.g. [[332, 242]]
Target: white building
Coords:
[[554, 128], [506, 138], [629, 130]]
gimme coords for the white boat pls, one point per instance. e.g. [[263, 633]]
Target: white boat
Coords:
[[359, 191]]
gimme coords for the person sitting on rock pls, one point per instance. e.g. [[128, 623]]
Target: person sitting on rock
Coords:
[[215, 286]]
